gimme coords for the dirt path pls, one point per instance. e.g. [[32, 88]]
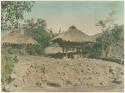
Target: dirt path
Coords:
[[36, 73]]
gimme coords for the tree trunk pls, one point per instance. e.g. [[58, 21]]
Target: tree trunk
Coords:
[[108, 53], [103, 51]]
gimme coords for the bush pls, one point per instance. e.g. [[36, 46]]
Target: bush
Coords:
[[91, 50], [7, 67], [39, 33], [11, 50], [34, 50]]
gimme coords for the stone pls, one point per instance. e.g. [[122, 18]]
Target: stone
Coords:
[[6, 88], [13, 76]]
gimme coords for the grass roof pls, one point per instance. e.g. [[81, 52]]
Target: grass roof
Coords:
[[15, 37]]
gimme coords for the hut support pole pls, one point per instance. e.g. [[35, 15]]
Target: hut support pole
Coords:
[[66, 53], [24, 48], [80, 52], [63, 50], [82, 49]]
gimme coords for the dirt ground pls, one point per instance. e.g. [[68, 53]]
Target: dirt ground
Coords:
[[38, 73]]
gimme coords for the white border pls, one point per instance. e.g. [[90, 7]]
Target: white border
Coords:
[[60, 0]]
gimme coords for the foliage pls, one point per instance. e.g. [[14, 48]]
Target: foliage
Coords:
[[7, 67], [92, 50], [110, 39], [111, 35], [37, 30], [15, 51], [106, 43], [34, 50], [12, 12]]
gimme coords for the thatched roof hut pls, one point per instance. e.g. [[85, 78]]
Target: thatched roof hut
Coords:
[[74, 35], [94, 37], [72, 42], [53, 50], [17, 38]]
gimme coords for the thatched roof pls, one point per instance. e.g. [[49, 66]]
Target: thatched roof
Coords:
[[96, 36], [74, 35], [15, 37], [53, 50]]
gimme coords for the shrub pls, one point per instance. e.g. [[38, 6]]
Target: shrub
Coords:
[[34, 50], [7, 65], [11, 50]]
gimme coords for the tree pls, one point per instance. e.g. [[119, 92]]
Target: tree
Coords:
[[37, 30], [115, 39], [12, 12], [109, 39], [108, 44]]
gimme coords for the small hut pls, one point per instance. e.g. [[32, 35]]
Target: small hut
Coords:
[[17, 40], [72, 41], [54, 52]]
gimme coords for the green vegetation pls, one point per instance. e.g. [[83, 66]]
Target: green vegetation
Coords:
[[110, 44], [110, 39], [12, 12], [34, 50], [14, 51], [37, 30], [7, 67]]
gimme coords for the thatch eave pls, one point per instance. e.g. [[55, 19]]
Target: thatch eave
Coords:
[[16, 38]]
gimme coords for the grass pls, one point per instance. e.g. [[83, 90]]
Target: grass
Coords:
[[116, 60]]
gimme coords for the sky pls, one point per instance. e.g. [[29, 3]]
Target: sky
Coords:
[[82, 14]]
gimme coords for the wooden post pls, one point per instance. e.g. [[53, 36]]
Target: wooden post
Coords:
[[24, 47], [63, 50], [81, 52], [82, 47], [77, 52], [66, 53]]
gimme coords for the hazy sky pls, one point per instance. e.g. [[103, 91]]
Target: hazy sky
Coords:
[[83, 15]]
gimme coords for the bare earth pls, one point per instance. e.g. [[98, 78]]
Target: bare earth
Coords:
[[37, 73]]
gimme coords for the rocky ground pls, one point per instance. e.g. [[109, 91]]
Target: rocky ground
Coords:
[[36, 73]]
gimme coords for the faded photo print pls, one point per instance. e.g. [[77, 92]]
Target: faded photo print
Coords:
[[62, 46]]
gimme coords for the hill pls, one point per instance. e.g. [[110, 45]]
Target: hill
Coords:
[[36, 73]]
